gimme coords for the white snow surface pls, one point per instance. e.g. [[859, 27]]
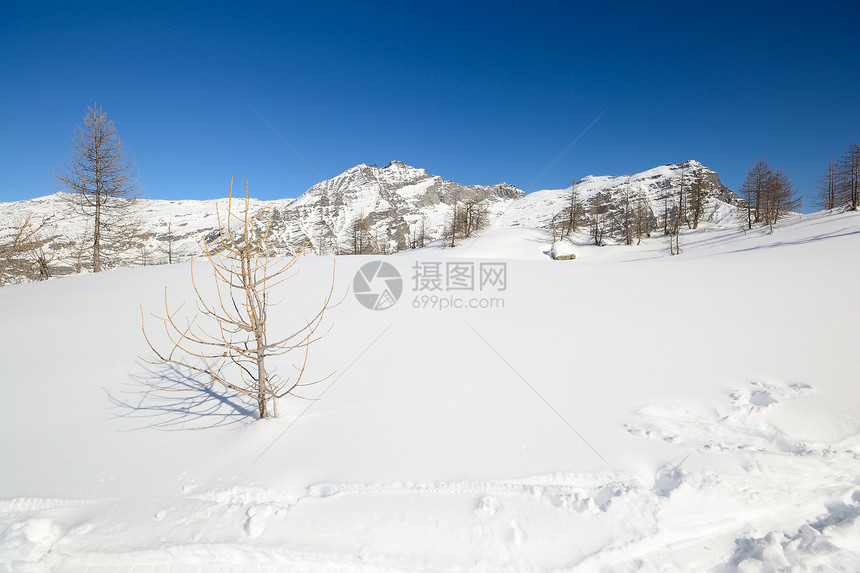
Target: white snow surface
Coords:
[[626, 411]]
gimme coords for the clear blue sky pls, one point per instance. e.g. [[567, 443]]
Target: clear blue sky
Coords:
[[475, 92]]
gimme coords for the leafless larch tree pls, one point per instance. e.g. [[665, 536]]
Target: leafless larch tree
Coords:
[[229, 339], [102, 180]]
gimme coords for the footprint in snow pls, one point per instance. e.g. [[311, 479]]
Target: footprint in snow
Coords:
[[257, 520], [762, 398], [603, 497], [322, 490], [668, 480], [518, 536], [488, 506], [652, 432]]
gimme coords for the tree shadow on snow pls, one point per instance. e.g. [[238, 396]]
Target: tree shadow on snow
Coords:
[[183, 404], [803, 241]]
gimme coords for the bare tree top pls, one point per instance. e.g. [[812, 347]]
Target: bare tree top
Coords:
[[98, 167]]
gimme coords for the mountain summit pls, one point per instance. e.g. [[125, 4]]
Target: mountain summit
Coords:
[[390, 206], [391, 201]]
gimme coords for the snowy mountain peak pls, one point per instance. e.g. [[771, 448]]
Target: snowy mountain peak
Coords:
[[396, 166], [653, 187], [392, 201], [394, 205], [665, 171]]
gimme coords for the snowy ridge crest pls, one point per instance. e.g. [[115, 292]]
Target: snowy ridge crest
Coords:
[[394, 204]]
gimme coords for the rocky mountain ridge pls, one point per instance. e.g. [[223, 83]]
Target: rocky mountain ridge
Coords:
[[392, 205]]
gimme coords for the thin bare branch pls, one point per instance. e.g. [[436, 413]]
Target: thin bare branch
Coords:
[[236, 317]]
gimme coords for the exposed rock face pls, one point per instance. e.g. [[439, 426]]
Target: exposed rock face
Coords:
[[397, 201]]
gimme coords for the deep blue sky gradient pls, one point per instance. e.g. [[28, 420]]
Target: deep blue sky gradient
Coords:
[[475, 92]]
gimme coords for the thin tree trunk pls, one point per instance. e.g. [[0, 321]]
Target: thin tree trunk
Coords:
[[97, 267], [262, 393]]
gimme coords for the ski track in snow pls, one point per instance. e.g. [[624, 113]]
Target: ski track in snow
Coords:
[[505, 525], [502, 524]]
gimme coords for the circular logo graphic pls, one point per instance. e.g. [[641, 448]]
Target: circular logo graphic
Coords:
[[377, 285]]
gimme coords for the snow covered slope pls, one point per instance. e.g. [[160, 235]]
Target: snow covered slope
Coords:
[[626, 411], [397, 202], [654, 186]]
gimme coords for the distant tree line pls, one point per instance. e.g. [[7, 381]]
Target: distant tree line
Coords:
[[768, 196], [839, 187], [468, 216], [633, 217], [368, 238], [27, 255]]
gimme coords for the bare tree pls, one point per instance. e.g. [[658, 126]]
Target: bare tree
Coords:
[[228, 338], [666, 213], [101, 178], [768, 194], [556, 226], [597, 219], [362, 241], [753, 190], [627, 216], [468, 215], [681, 212], [573, 213], [37, 245], [697, 198], [79, 250], [382, 243], [828, 187], [641, 219], [168, 243], [849, 178], [673, 227], [453, 226], [781, 198], [26, 255], [419, 234], [474, 216], [321, 239], [146, 251], [11, 254]]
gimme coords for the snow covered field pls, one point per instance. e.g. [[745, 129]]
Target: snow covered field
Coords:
[[626, 411]]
